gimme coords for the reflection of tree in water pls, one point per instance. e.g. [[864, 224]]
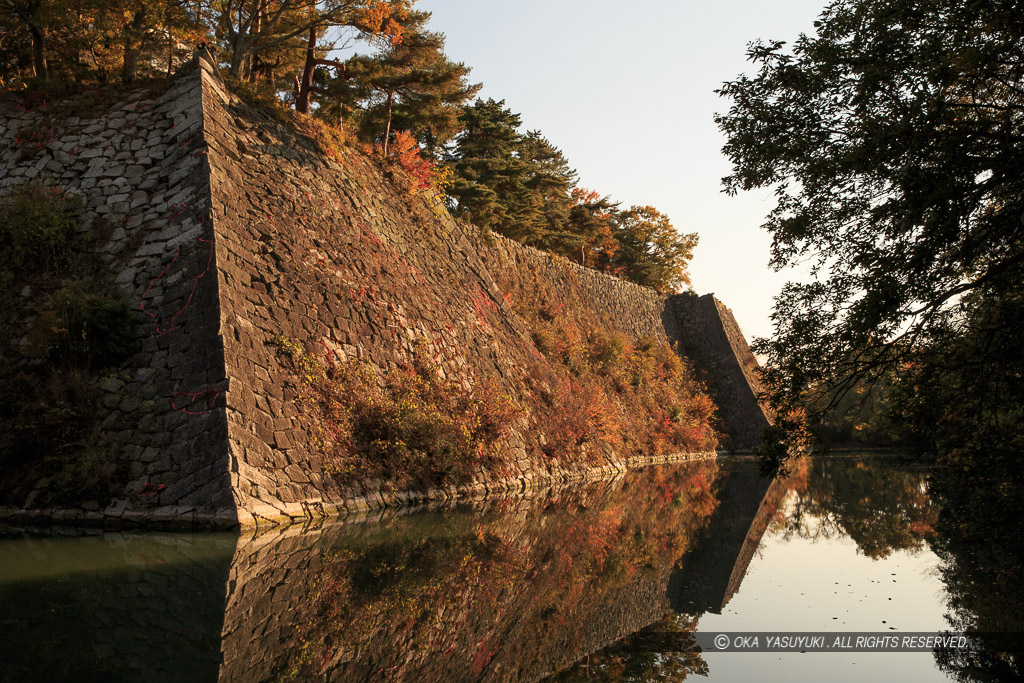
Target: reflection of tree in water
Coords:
[[881, 507], [978, 540], [970, 513], [629, 660]]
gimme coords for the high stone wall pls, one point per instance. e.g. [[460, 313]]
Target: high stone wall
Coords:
[[139, 165], [246, 232], [705, 331]]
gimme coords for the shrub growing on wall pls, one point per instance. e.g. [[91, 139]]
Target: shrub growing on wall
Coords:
[[60, 325], [410, 427], [36, 225]]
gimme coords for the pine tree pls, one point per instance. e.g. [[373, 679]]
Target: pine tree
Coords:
[[488, 174], [515, 184], [412, 85], [546, 184], [381, 21]]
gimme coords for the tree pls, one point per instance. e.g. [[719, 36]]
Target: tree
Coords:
[[544, 195], [894, 141], [383, 21], [32, 15], [80, 41], [248, 29], [411, 81], [134, 32], [523, 187], [515, 184], [137, 24], [592, 218], [488, 171], [651, 252]]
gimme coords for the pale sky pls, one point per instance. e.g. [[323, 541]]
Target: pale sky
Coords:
[[626, 91]]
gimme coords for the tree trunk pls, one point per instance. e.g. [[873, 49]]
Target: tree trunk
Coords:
[[306, 84], [236, 60], [387, 130], [170, 43], [133, 37], [241, 49], [170, 54], [241, 56], [130, 68], [39, 67]]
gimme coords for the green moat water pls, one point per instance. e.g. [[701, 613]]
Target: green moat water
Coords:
[[554, 583]]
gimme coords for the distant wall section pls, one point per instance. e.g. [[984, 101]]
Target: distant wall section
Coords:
[[704, 329], [708, 333]]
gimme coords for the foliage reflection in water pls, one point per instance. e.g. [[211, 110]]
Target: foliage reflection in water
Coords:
[[511, 587], [842, 528], [515, 587]]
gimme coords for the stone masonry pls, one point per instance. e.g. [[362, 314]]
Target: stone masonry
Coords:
[[231, 230], [139, 164]]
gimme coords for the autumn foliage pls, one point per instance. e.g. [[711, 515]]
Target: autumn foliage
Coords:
[[411, 427], [405, 152], [600, 391], [382, 19], [637, 398], [476, 591]]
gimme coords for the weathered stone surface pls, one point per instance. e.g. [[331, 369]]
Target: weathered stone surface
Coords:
[[127, 193], [232, 230]]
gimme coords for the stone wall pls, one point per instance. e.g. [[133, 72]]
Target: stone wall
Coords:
[[331, 254], [234, 231], [636, 311], [711, 336], [704, 329], [139, 165]]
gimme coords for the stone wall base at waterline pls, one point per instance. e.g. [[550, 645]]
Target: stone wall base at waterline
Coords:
[[181, 518]]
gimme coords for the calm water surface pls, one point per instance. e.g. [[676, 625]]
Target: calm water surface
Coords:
[[519, 588]]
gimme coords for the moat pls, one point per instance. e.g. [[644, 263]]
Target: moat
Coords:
[[555, 582]]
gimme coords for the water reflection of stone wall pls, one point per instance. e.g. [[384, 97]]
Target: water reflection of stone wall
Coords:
[[508, 588], [521, 591], [709, 575]]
